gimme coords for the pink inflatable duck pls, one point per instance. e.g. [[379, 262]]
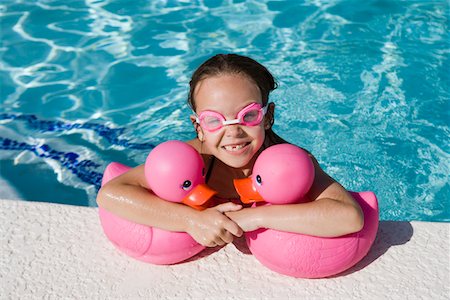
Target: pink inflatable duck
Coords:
[[283, 174], [175, 172]]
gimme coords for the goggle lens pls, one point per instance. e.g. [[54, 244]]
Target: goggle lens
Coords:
[[251, 115], [211, 122]]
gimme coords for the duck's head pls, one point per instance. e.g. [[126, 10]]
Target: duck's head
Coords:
[[175, 172], [282, 174]]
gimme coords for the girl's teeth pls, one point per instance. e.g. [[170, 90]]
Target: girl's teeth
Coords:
[[234, 147]]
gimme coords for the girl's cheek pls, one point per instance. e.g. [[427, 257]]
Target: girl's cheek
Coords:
[[211, 140]]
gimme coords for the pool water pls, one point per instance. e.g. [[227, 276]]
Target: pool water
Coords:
[[363, 85]]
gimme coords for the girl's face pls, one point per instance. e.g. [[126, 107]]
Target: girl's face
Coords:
[[227, 94]]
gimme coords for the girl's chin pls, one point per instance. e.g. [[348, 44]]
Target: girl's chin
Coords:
[[236, 161], [237, 165]]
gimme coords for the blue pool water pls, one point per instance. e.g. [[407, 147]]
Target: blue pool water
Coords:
[[363, 85]]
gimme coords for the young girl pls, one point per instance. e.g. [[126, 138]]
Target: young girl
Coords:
[[233, 120]]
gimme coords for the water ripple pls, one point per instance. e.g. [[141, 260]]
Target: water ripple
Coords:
[[363, 85]]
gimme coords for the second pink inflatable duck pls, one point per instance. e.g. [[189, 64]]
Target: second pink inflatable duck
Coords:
[[283, 174]]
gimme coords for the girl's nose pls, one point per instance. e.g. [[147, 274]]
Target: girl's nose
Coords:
[[234, 130]]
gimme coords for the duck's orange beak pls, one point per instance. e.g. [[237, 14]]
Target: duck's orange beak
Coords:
[[199, 197], [247, 191]]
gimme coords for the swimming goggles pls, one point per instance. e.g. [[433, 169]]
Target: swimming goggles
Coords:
[[251, 115]]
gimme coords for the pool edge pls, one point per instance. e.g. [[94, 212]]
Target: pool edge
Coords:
[[54, 250]]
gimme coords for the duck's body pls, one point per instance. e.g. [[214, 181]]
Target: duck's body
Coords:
[[308, 256]]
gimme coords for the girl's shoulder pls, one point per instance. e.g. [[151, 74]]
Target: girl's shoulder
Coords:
[[195, 143]]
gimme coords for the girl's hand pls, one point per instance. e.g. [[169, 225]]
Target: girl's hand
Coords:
[[246, 218], [212, 228]]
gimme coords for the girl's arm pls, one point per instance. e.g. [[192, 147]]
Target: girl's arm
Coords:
[[331, 212], [128, 196]]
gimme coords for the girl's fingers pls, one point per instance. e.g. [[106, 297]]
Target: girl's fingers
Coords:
[[227, 237], [229, 206], [219, 242], [233, 228], [214, 227], [211, 244]]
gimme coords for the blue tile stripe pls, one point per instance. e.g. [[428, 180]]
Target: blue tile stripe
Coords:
[[83, 169], [110, 134]]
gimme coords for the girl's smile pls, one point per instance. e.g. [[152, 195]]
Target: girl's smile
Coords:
[[236, 148]]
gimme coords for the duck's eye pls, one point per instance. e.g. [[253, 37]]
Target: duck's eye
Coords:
[[186, 185], [258, 180]]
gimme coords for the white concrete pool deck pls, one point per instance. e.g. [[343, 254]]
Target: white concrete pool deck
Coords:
[[51, 251]]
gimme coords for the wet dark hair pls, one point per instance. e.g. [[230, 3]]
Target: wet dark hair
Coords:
[[234, 64], [221, 64]]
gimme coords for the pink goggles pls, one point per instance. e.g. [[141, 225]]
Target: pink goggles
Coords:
[[251, 115]]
